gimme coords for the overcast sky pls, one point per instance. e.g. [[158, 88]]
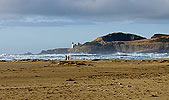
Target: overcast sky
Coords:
[[34, 25]]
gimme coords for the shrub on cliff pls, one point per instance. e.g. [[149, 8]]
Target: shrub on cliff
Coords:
[[92, 44], [164, 39]]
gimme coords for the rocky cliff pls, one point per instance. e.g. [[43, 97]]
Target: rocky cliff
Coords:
[[120, 42]]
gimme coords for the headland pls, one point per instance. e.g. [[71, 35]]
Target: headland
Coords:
[[118, 42]]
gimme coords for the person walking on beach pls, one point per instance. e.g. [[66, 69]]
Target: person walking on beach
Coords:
[[65, 57], [68, 58]]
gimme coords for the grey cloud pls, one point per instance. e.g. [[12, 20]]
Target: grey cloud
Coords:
[[86, 10], [41, 21]]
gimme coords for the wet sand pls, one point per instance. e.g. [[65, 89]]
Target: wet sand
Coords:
[[85, 80]]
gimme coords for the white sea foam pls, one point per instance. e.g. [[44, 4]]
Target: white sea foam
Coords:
[[85, 56]]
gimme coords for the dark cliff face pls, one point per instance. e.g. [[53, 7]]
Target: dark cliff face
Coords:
[[144, 48], [94, 49]]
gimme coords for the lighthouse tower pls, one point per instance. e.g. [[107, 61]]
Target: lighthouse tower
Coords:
[[73, 44]]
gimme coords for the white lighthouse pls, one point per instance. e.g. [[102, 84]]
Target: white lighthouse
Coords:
[[73, 44]]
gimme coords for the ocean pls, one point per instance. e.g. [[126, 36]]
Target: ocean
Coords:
[[9, 57]]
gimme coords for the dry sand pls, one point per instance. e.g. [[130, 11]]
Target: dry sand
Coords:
[[85, 80]]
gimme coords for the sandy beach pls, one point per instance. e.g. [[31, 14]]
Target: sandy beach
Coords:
[[85, 80]]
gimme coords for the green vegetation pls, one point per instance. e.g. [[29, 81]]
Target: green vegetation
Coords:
[[92, 43], [120, 43], [164, 39]]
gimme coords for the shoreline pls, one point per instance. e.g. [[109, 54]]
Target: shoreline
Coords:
[[42, 60]]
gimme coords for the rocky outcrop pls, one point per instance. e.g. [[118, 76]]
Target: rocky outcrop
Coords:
[[56, 51], [28, 53]]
